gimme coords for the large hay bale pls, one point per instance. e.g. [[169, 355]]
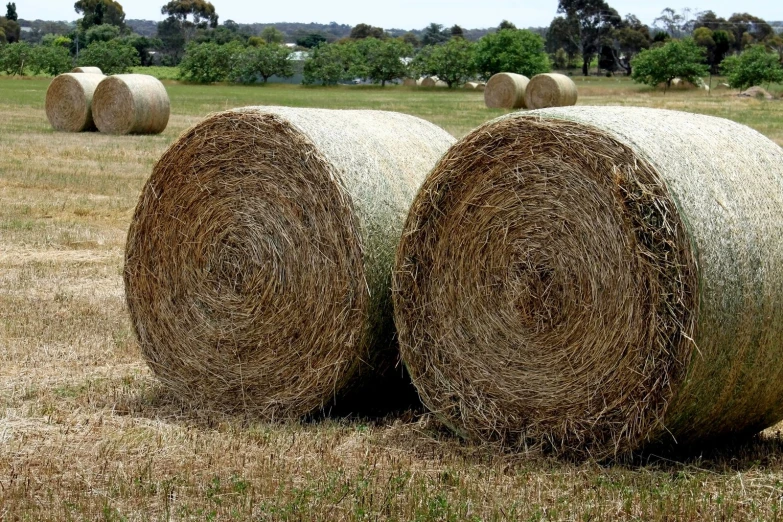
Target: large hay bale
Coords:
[[131, 104], [69, 101], [550, 90], [597, 279], [87, 70], [259, 259], [505, 91]]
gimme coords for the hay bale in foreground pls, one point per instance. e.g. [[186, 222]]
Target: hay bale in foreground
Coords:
[[550, 90], [259, 259], [592, 280], [505, 91], [131, 104], [87, 70], [69, 101]]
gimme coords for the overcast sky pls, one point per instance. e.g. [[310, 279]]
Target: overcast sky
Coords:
[[401, 14]]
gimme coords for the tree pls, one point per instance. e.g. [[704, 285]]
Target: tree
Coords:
[[332, 63], [453, 62], [748, 30], [628, 41], [172, 37], [101, 33], [50, 59], [410, 38], [505, 24], [596, 21], [98, 12], [10, 29], [361, 31], [716, 45], [754, 66], [675, 59], [262, 61], [775, 43], [272, 36], [208, 62], [434, 34], [383, 59], [563, 33], [676, 25], [202, 13], [14, 57], [113, 57], [311, 40], [143, 46], [10, 12], [457, 31], [511, 50]]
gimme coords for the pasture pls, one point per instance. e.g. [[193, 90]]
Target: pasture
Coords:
[[86, 433]]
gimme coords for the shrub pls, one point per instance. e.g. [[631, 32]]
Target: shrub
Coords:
[[113, 57], [50, 59], [753, 67], [675, 59], [15, 57], [263, 61], [511, 50], [208, 62]]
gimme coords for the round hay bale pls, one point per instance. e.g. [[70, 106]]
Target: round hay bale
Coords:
[[441, 83], [550, 90], [409, 82], [69, 101], [87, 70], [131, 104], [592, 280], [471, 86], [481, 86], [430, 81], [258, 262], [506, 91]]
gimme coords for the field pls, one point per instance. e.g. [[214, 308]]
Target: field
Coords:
[[86, 433]]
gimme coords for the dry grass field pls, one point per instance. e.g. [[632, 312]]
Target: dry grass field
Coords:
[[86, 433]]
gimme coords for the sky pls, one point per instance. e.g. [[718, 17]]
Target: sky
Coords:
[[402, 14]]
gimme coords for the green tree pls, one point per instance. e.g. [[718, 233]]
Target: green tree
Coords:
[[101, 33], [56, 40], [457, 31], [192, 13], [311, 40], [435, 34], [208, 62], [50, 59], [597, 21], [675, 59], [410, 38], [262, 61], [754, 66], [113, 57], [748, 30], [14, 57], [272, 35], [563, 33], [98, 12], [10, 29], [383, 59], [453, 62], [629, 40], [361, 31], [511, 50], [10, 11], [144, 47], [505, 24], [172, 37], [332, 63]]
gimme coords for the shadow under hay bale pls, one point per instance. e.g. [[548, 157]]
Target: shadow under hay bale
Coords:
[[593, 280], [258, 262], [131, 104], [69, 101], [505, 91], [87, 70], [550, 90]]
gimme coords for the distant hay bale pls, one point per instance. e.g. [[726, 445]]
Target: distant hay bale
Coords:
[[593, 280], [131, 104], [550, 90], [756, 92], [409, 82], [441, 83], [430, 81], [506, 91], [69, 101], [470, 85], [259, 258], [87, 70], [481, 86]]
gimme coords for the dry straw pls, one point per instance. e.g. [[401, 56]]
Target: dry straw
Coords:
[[410, 82], [258, 263], [131, 104], [592, 280], [433, 81], [550, 90], [69, 101], [87, 70], [471, 86], [505, 91]]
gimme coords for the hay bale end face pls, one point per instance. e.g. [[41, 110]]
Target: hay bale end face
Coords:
[[131, 104], [87, 70], [69, 101], [258, 263], [550, 90], [593, 280], [506, 91], [430, 81]]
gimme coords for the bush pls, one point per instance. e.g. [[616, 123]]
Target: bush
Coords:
[[331, 63], [208, 62], [675, 59], [383, 59], [755, 66], [113, 57], [15, 57], [511, 50], [453, 62], [50, 59], [263, 61]]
